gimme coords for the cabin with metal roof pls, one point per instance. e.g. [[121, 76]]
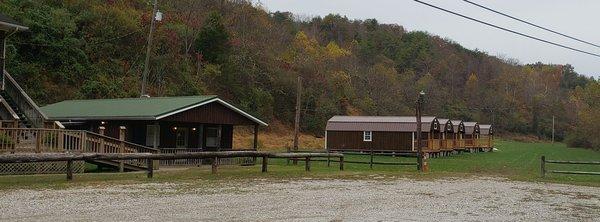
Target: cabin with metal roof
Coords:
[[486, 136], [447, 133], [188, 122], [381, 133], [471, 134], [459, 133]]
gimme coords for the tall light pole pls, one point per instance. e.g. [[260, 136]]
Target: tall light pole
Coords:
[[422, 165], [155, 17]]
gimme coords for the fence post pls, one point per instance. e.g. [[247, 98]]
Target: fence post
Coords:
[[371, 162], [328, 158], [265, 162], [150, 168], [214, 165], [101, 149], [341, 163], [543, 166], [307, 164], [38, 141], [122, 147], [70, 170], [61, 141]]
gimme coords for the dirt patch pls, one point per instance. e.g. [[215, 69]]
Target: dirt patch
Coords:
[[456, 199]]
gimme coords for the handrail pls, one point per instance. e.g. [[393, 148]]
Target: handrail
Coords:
[[125, 142], [30, 109], [10, 110]]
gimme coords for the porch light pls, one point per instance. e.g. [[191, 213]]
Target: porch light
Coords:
[[194, 129], [102, 122], [174, 128]]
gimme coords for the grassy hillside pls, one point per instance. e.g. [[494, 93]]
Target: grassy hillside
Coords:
[[252, 58], [514, 160]]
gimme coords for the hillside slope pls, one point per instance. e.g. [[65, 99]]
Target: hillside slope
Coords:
[[95, 49]]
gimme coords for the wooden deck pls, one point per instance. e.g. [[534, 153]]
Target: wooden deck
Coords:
[[38, 140]]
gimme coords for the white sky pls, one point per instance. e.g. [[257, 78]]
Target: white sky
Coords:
[[577, 18]]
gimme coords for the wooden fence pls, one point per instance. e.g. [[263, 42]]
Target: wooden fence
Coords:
[[199, 162], [544, 171], [372, 154], [150, 158]]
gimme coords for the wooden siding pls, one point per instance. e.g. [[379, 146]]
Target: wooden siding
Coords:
[[212, 113], [382, 141]]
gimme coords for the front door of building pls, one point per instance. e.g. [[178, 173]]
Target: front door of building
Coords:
[[181, 137], [213, 136]]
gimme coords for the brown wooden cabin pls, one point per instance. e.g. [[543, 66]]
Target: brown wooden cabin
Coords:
[[459, 133], [381, 134], [447, 132], [471, 136], [167, 123], [486, 136]]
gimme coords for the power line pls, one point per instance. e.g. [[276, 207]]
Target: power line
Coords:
[[529, 23], [508, 30]]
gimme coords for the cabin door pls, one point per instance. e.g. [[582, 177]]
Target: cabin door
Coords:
[[181, 138]]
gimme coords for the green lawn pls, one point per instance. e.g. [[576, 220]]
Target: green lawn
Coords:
[[513, 160]]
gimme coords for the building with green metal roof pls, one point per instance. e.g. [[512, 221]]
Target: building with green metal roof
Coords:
[[187, 122]]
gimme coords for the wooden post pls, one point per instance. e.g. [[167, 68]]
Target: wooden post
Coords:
[[70, 170], [341, 163], [101, 149], [297, 114], [214, 165], [38, 141], [371, 162], [150, 168], [265, 162], [255, 144], [425, 163], [543, 166], [307, 164], [61, 141], [328, 158], [122, 147]]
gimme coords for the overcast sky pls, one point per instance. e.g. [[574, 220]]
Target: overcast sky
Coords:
[[578, 18]]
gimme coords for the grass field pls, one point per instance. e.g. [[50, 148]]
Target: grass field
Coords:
[[513, 160]]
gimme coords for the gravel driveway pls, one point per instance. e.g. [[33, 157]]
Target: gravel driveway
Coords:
[[475, 199]]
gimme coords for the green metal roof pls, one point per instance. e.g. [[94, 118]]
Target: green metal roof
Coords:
[[125, 108]]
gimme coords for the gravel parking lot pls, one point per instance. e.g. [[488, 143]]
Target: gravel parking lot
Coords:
[[396, 199]]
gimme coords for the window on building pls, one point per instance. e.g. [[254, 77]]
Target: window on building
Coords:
[[152, 135], [367, 136]]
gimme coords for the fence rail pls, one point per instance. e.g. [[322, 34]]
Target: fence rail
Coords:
[[544, 171], [372, 153], [150, 158]]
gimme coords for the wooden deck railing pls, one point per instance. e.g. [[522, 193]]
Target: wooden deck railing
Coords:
[[198, 162], [33, 113], [39, 140]]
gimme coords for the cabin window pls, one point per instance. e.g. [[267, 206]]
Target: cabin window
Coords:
[[152, 135], [367, 136]]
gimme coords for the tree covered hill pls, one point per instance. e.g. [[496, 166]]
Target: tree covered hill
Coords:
[[95, 49]]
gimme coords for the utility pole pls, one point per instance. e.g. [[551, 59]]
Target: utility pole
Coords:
[[149, 49], [422, 165], [297, 117]]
